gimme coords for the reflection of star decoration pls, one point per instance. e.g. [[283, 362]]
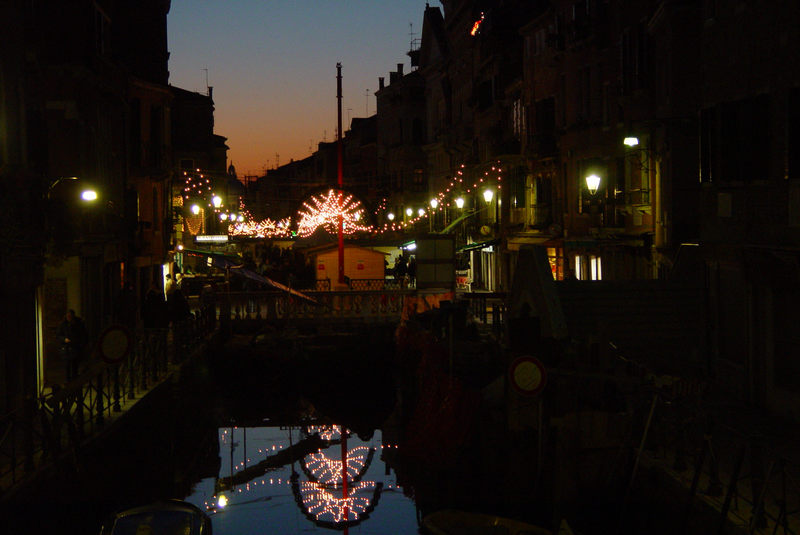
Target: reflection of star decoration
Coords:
[[320, 502], [329, 471]]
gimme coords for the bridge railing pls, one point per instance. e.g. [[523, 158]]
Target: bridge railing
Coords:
[[365, 305]]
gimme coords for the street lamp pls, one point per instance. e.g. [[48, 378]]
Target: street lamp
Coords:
[[421, 212], [434, 203], [460, 202], [195, 209], [631, 141], [488, 195], [390, 216], [409, 211], [89, 195], [217, 201], [592, 183]]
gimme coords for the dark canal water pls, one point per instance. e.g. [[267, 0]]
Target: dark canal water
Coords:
[[252, 437], [252, 433]]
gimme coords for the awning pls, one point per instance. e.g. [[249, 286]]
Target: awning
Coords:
[[252, 275], [477, 245], [220, 260], [458, 220], [515, 242]]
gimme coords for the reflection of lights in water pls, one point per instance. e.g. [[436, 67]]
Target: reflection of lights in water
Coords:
[[329, 471], [326, 507], [326, 432], [322, 498]]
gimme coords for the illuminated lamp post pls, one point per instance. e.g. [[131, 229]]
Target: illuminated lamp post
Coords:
[[488, 195], [592, 185], [460, 203], [434, 204], [390, 216]]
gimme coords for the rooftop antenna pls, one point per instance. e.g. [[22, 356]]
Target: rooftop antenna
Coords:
[[366, 94]]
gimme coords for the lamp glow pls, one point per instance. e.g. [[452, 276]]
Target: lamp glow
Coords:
[[592, 183], [195, 209], [631, 141], [409, 212], [217, 200], [434, 203], [460, 202], [390, 216], [488, 195], [89, 195], [421, 212], [222, 501]]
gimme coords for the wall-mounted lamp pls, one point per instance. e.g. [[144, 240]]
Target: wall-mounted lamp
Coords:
[[631, 141], [592, 183]]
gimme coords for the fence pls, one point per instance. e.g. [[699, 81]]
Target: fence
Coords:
[[56, 424], [729, 458]]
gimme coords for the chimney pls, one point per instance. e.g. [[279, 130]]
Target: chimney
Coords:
[[211, 92], [400, 69], [380, 82]]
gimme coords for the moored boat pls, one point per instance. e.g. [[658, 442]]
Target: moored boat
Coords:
[[164, 517]]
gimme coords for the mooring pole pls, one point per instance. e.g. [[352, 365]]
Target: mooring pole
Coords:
[[339, 165]]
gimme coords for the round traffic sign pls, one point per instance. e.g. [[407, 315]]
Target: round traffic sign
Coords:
[[115, 344], [527, 375]]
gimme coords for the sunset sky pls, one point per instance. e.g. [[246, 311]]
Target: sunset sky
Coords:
[[272, 64]]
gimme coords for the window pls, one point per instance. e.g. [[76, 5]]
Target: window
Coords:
[[517, 192], [102, 32], [518, 118], [585, 92], [793, 134], [596, 268], [735, 140], [634, 60]]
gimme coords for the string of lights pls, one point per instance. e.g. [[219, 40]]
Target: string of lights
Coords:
[[324, 211]]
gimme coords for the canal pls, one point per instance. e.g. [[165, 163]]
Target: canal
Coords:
[[255, 435], [258, 432]]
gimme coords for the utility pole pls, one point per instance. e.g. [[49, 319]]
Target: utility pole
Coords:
[[339, 170]]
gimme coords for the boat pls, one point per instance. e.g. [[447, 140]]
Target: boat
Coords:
[[166, 517], [454, 522]]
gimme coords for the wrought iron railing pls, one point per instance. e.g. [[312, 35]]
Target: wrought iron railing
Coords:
[[56, 423]]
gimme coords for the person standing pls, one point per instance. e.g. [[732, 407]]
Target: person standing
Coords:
[[73, 336], [412, 272]]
